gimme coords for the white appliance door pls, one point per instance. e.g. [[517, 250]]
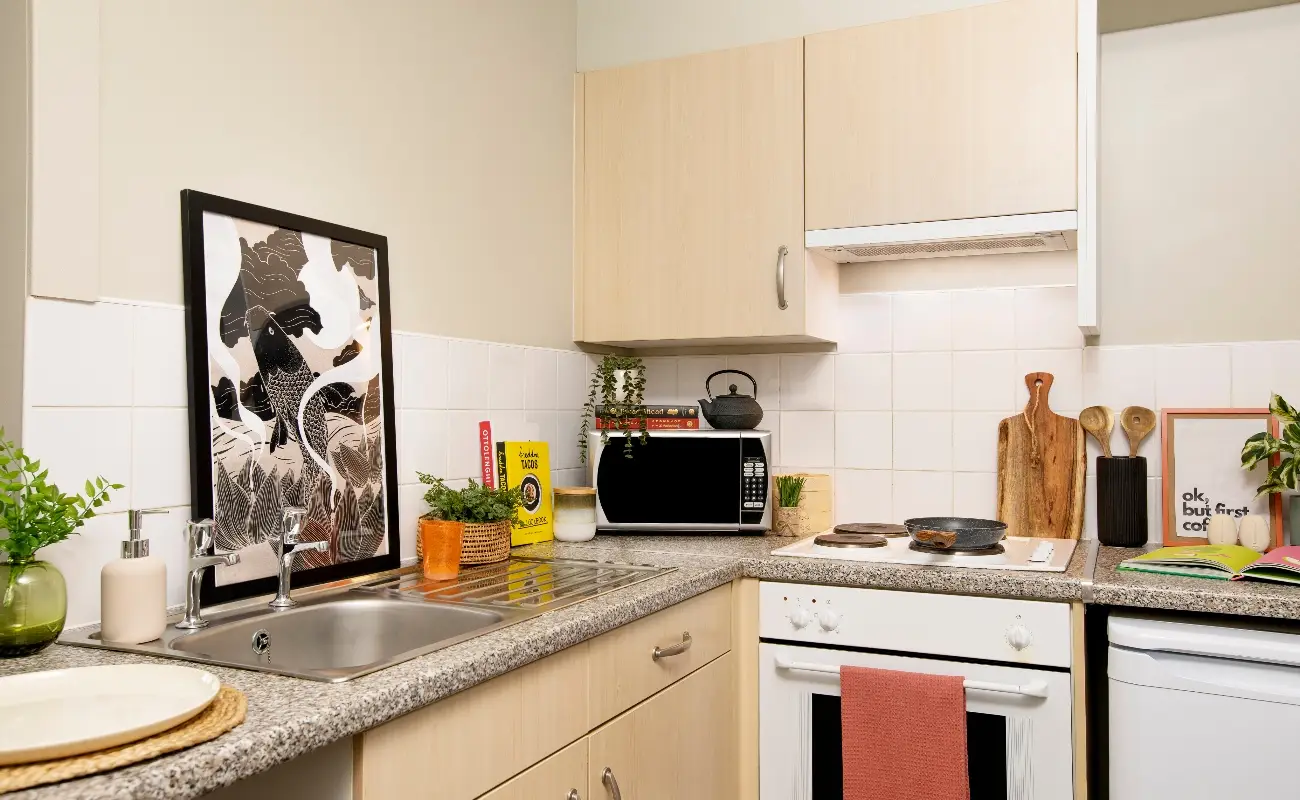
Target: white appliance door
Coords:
[[1019, 745]]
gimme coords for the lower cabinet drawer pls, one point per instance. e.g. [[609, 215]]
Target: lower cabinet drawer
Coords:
[[563, 776], [624, 666]]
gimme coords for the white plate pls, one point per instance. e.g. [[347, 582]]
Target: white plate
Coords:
[[66, 712]]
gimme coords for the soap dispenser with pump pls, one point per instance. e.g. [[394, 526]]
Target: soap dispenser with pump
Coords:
[[133, 589]]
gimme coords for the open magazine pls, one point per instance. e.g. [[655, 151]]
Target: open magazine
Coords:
[[1220, 562]]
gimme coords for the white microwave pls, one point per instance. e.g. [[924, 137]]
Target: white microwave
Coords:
[[683, 481]]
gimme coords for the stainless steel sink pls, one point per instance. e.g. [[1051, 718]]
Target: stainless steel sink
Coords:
[[343, 633]]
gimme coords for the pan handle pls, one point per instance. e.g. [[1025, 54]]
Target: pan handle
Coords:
[[941, 539]]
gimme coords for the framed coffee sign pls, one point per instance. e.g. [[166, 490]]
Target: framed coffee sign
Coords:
[[1203, 475]]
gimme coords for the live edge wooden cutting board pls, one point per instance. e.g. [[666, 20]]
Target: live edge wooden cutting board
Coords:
[[1041, 465]]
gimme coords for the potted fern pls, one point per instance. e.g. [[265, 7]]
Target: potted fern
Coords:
[[791, 519], [472, 524], [34, 514], [619, 384], [1283, 477]]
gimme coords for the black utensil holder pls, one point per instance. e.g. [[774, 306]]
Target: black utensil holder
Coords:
[[1122, 501]]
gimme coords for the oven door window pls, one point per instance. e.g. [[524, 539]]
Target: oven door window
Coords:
[[986, 759], [671, 479]]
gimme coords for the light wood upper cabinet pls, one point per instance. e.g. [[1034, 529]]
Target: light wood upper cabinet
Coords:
[[968, 113], [690, 178], [681, 743]]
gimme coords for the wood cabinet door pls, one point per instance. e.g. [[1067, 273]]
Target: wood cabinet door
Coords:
[[563, 776], [681, 743], [968, 113], [692, 178]]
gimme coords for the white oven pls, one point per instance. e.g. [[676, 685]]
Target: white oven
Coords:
[[1014, 654]]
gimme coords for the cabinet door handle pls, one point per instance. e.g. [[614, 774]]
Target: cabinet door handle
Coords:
[[780, 277], [573, 795], [674, 650], [611, 783]]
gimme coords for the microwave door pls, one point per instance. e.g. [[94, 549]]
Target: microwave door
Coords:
[[1018, 747]]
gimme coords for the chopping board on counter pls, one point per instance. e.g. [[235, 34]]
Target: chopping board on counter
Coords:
[[1041, 467]]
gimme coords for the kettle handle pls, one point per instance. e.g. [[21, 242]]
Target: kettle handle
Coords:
[[709, 391]]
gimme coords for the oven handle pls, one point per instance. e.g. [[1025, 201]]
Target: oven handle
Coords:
[[1031, 689]]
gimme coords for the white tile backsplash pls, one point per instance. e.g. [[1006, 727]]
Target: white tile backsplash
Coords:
[[507, 377], [922, 381], [467, 374], [660, 382], [158, 338], [693, 372], [1262, 369], [863, 440], [984, 380], [160, 457], [922, 321], [866, 322], [863, 495], [975, 494], [809, 382], [1119, 377], [78, 354], [424, 372], [922, 494], [1046, 318], [541, 379], [864, 382], [923, 440], [76, 444], [975, 440], [807, 439], [984, 320], [765, 370], [1194, 377], [422, 444]]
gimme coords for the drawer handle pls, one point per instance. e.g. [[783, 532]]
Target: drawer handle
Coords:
[[674, 650], [611, 783], [780, 277], [573, 795]]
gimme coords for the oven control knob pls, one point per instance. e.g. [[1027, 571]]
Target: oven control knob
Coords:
[[800, 617], [829, 619], [1019, 637]]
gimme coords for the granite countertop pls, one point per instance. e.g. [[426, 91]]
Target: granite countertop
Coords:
[[1112, 587], [288, 717]]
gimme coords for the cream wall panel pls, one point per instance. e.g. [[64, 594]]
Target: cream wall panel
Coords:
[[1199, 172], [444, 125], [14, 124], [65, 166]]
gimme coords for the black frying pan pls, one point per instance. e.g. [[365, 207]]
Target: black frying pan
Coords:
[[955, 533]]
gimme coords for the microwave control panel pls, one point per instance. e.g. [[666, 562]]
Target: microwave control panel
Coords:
[[754, 485]]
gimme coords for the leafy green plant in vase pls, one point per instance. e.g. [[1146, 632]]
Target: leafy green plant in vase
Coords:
[[618, 386], [34, 514], [1283, 477], [791, 519]]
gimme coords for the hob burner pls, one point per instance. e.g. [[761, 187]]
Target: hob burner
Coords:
[[875, 528], [995, 550], [850, 540]]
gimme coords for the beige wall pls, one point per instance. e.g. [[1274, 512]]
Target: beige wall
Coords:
[[1200, 180], [445, 125], [616, 32], [14, 62]]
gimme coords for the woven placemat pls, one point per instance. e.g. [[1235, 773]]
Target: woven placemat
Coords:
[[226, 711]]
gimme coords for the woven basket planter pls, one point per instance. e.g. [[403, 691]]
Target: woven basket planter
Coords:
[[791, 521], [486, 542]]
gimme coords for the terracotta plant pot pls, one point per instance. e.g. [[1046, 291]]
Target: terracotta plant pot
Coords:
[[438, 546], [790, 521]]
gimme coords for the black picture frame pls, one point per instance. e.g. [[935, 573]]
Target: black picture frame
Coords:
[[193, 205]]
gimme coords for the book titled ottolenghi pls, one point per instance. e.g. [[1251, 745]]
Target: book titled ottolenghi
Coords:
[[526, 466]]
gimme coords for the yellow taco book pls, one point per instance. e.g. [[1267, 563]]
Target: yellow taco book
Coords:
[[526, 466]]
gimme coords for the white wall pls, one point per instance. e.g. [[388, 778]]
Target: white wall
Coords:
[[119, 409], [616, 32], [905, 414], [1200, 180], [443, 124]]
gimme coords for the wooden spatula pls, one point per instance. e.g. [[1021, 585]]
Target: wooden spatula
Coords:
[[1137, 422], [1100, 422], [1041, 466]]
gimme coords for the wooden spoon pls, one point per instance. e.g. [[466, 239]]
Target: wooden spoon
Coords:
[[1137, 422], [1100, 422]]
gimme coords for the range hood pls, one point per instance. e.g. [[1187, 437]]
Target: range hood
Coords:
[[1022, 233]]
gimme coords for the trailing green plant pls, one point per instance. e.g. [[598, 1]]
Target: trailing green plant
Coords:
[[789, 490], [35, 513], [624, 413], [474, 503], [1264, 445]]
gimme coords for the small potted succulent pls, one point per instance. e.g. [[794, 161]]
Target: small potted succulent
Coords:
[[479, 517], [34, 513], [618, 388], [1284, 477], [791, 519]]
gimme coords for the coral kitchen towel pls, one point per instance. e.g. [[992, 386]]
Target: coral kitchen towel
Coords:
[[904, 735]]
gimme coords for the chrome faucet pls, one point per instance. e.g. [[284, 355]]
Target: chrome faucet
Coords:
[[290, 544], [198, 540]]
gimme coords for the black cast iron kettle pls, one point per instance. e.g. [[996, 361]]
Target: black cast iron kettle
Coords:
[[731, 412]]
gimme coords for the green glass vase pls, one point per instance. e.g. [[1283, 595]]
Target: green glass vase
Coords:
[[33, 607]]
